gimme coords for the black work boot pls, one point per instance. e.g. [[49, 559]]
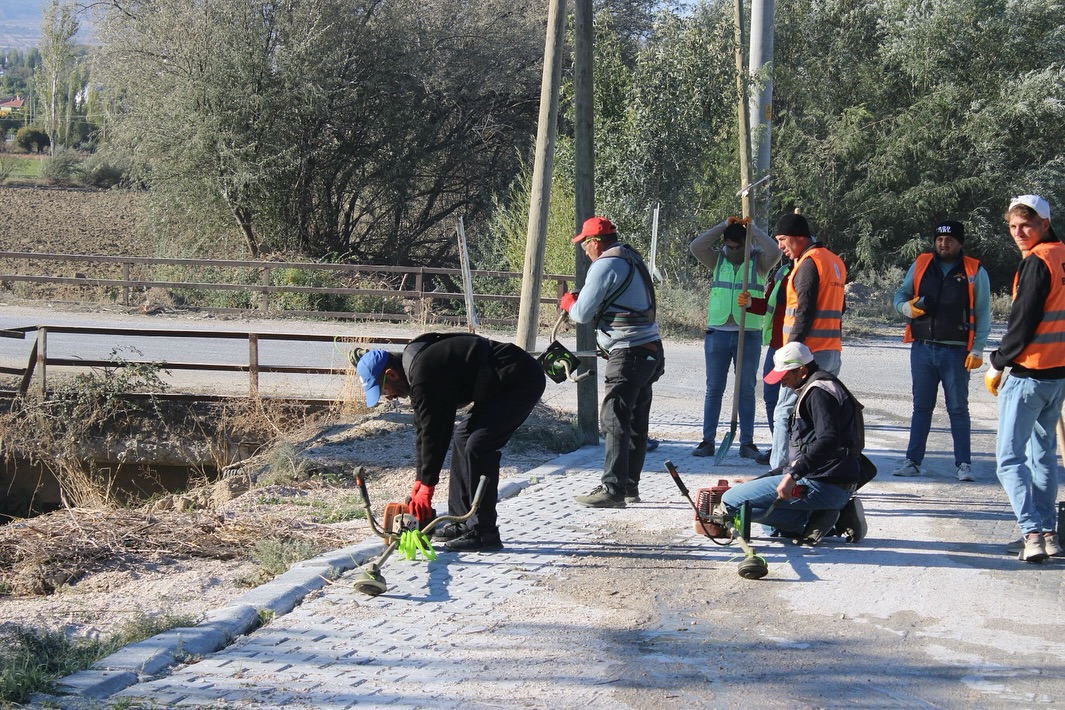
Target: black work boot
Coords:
[[474, 541], [449, 531], [851, 524]]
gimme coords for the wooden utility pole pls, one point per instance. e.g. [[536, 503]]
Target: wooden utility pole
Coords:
[[540, 195], [584, 189]]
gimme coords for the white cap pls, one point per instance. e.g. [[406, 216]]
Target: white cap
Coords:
[[791, 356], [1036, 202]]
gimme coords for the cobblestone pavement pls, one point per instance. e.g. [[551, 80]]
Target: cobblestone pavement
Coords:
[[631, 608]]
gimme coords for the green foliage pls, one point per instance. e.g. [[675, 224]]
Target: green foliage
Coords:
[[893, 116], [94, 401], [325, 127], [62, 167], [105, 171], [284, 466], [32, 139], [31, 660]]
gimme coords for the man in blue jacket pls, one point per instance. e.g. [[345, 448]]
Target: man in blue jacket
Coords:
[[619, 298]]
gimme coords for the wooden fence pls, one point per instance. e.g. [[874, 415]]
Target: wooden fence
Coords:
[[400, 293]]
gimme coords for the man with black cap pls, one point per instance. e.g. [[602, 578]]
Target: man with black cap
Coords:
[[721, 344], [812, 495], [946, 299], [1030, 400], [619, 298], [442, 373], [813, 315]]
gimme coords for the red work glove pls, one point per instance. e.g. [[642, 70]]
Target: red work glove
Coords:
[[738, 220], [421, 502], [567, 301]]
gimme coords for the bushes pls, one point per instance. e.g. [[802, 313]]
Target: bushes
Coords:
[[32, 140]]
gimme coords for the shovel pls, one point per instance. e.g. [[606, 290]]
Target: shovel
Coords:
[[745, 183]]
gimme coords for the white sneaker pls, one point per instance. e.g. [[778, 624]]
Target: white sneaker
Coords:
[[908, 470], [1052, 545], [965, 472], [1034, 549]]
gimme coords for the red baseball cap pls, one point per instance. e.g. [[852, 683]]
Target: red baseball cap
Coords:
[[595, 227]]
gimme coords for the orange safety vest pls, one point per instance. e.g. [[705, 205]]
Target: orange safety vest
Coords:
[[827, 330], [1046, 349], [971, 267]]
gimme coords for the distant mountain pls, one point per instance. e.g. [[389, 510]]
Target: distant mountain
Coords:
[[22, 10], [20, 23]]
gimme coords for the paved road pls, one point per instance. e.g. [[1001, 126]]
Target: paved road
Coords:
[[630, 608]]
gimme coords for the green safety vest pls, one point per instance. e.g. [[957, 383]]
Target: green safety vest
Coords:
[[727, 284], [771, 303]]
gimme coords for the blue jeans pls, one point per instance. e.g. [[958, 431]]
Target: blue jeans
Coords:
[[1028, 411], [789, 516], [828, 360], [719, 350], [931, 365], [630, 373], [770, 393]]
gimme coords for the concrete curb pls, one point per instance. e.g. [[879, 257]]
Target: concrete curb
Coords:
[[140, 661], [137, 662]]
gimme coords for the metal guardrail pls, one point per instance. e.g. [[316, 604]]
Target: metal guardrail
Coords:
[[39, 361], [131, 281]]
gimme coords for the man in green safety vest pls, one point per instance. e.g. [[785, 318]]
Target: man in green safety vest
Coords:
[[725, 260]]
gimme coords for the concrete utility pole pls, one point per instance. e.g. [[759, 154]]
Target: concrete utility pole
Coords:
[[584, 186], [760, 64], [540, 196]]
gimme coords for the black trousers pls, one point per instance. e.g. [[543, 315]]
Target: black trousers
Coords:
[[479, 437]]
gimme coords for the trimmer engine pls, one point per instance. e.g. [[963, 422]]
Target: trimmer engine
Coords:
[[707, 502]]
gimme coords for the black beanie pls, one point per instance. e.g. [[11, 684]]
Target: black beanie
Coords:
[[951, 228], [792, 225]]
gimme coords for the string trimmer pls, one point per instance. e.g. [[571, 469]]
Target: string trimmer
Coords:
[[716, 524], [401, 531], [558, 361]]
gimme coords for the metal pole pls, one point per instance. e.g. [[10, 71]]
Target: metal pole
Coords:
[[540, 197], [584, 207], [761, 102]]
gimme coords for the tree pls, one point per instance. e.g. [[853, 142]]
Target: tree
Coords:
[[358, 130], [57, 54], [31, 139]]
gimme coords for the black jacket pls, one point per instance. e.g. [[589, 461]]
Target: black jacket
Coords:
[[447, 372], [822, 437]]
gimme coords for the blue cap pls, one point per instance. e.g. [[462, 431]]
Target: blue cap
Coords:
[[370, 368]]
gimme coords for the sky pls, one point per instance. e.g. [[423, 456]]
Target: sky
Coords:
[[20, 23]]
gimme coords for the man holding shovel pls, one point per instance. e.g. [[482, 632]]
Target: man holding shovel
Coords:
[[729, 262]]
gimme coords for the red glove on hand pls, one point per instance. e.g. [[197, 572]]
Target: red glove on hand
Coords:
[[421, 501], [567, 301], [739, 220]]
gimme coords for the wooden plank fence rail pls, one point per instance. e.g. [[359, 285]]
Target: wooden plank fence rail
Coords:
[[39, 361], [412, 283]]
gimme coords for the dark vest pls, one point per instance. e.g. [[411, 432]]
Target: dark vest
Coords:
[[948, 299]]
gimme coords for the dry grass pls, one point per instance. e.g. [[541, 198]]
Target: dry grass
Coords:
[[39, 555]]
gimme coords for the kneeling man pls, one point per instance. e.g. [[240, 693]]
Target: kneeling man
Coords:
[[823, 457]]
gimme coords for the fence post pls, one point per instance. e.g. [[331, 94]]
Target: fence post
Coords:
[[42, 358], [265, 306], [125, 288], [419, 308], [253, 365]]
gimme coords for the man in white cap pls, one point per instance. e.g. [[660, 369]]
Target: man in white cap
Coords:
[[442, 373], [1030, 399], [813, 494]]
